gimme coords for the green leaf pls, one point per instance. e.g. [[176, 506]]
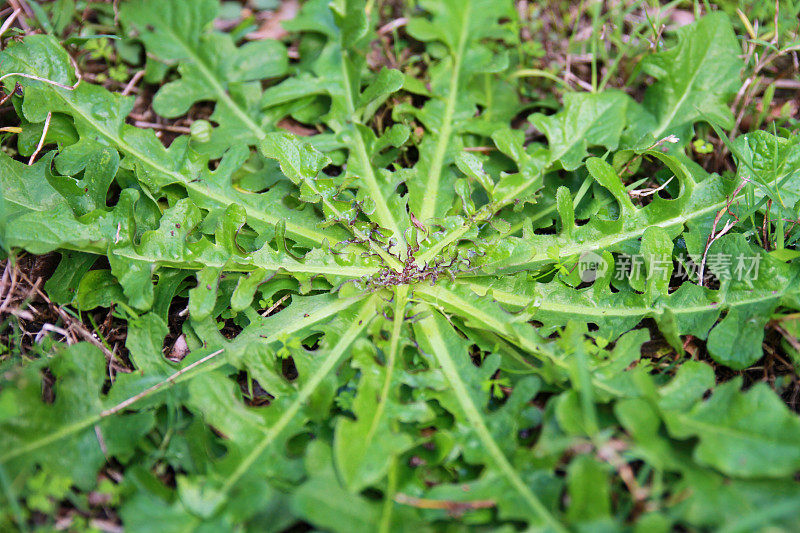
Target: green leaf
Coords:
[[441, 342], [696, 77], [100, 114], [460, 26], [251, 437], [700, 198], [63, 284], [78, 373], [98, 288], [354, 294], [299, 161], [337, 72], [750, 434], [28, 198], [365, 447], [588, 119], [335, 510], [589, 490], [210, 65]]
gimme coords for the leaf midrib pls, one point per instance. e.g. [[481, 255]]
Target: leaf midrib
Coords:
[[292, 228], [475, 418], [435, 172], [617, 238], [296, 230], [222, 94], [516, 300], [455, 234], [668, 118], [703, 429], [333, 358], [227, 266], [401, 299], [384, 214], [466, 310], [332, 308]]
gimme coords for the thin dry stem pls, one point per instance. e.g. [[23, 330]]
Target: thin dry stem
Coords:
[[133, 399], [9, 21], [41, 139]]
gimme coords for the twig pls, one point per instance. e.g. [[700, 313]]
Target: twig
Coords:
[[38, 78], [101, 441], [12, 285], [668, 139], [791, 339], [132, 83], [647, 192], [133, 399], [714, 235], [55, 329], [21, 313], [165, 127], [78, 76], [584, 85], [777, 12], [479, 149], [41, 139], [609, 454], [106, 525], [7, 97], [782, 83], [392, 25], [274, 306], [9, 21], [21, 6], [82, 331], [9, 296], [448, 505], [523, 12]]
